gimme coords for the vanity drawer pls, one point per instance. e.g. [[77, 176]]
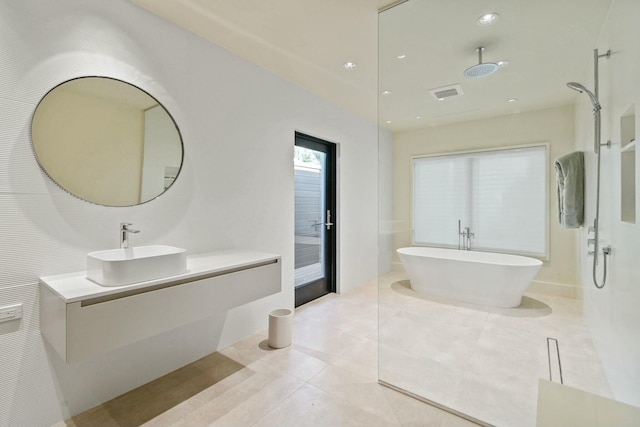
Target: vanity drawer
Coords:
[[81, 329]]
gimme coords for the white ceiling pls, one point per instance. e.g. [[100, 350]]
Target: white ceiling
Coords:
[[304, 41], [548, 43]]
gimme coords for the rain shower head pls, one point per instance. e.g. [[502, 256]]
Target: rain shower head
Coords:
[[481, 69], [580, 88]]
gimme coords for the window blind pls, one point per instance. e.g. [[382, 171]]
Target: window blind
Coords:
[[501, 195]]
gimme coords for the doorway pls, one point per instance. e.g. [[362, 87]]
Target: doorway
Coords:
[[315, 218]]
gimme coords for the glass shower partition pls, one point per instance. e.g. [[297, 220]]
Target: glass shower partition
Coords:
[[483, 363]]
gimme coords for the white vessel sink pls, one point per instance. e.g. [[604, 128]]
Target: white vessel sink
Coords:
[[117, 267]]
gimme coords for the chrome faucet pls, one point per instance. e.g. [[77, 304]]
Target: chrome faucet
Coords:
[[469, 236], [466, 235], [124, 234]]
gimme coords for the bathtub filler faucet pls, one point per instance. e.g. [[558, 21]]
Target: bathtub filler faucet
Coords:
[[124, 234], [466, 236], [469, 236]]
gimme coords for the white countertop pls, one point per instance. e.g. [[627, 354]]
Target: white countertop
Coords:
[[73, 287]]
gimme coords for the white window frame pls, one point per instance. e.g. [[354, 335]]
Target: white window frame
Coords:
[[545, 256]]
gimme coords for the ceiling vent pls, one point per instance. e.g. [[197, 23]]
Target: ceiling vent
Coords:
[[446, 92]]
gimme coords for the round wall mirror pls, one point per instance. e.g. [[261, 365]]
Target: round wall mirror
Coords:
[[106, 141]]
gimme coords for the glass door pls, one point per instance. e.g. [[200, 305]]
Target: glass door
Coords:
[[315, 218]]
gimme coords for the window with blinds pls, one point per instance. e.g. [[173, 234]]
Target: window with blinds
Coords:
[[501, 195]]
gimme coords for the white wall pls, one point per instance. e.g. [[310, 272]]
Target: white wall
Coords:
[[554, 126], [613, 313], [235, 190]]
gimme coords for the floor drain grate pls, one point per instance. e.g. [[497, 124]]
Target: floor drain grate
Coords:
[[554, 360]]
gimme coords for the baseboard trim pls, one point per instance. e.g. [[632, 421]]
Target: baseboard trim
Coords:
[[555, 289], [397, 267]]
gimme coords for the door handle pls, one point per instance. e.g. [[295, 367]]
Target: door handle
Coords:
[[328, 223]]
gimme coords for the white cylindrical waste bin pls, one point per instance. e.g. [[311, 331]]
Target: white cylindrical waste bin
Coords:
[[280, 325]]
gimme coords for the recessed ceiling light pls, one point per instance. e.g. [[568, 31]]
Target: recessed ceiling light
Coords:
[[349, 65], [388, 121], [386, 92], [418, 117], [401, 56], [488, 18], [502, 63], [512, 100]]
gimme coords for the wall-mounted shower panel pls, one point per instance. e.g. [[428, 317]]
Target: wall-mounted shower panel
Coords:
[[628, 166]]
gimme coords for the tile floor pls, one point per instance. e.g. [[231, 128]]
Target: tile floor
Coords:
[[482, 361], [327, 377]]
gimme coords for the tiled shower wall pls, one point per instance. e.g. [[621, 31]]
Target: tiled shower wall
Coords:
[[238, 123], [612, 313]]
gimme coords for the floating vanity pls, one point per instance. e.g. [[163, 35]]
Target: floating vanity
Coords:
[[81, 318]]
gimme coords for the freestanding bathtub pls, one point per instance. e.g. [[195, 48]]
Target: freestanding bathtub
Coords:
[[485, 278]]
